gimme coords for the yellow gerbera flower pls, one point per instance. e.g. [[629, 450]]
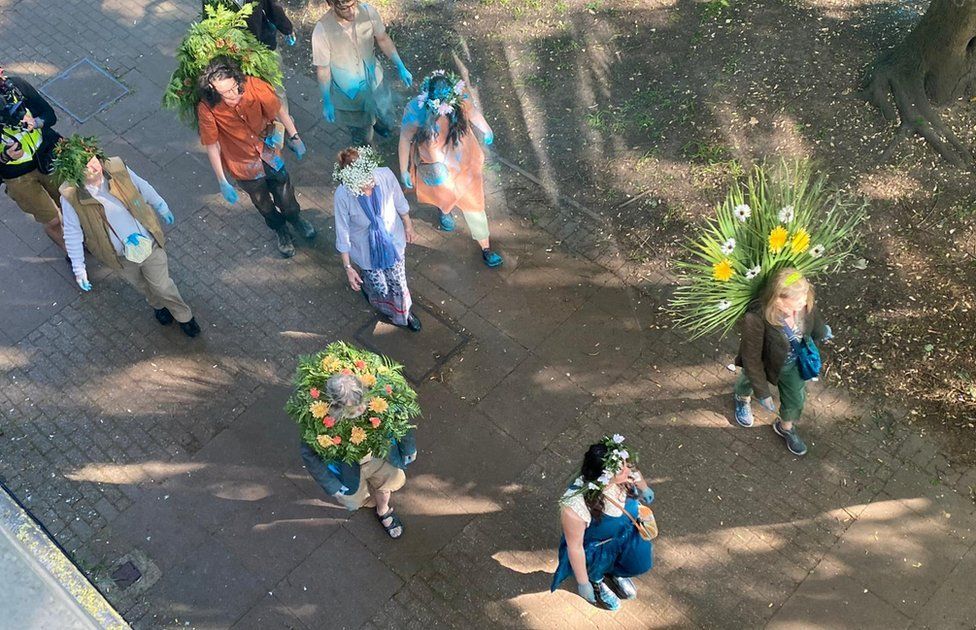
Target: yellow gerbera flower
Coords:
[[319, 409], [722, 270], [379, 405], [800, 242], [324, 441], [368, 380], [358, 435], [777, 239], [330, 363]]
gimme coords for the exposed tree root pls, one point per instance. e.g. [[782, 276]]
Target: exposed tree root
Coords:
[[912, 107]]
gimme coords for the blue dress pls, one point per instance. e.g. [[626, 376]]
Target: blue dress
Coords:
[[612, 546]]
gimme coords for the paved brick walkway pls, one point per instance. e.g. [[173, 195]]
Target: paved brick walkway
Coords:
[[131, 442]]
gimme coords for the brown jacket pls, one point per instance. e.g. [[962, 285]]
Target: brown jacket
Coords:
[[91, 214], [763, 348]]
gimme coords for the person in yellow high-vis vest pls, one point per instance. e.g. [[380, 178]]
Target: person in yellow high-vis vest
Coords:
[[28, 138], [117, 216]]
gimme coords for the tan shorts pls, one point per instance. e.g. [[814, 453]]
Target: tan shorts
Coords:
[[36, 194], [377, 475]]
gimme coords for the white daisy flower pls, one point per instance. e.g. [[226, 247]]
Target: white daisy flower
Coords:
[[605, 478], [624, 454], [617, 438], [743, 212], [593, 486], [817, 251], [724, 304], [728, 247], [459, 87], [786, 215], [752, 273]]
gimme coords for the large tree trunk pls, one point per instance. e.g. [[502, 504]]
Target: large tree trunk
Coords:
[[933, 65]]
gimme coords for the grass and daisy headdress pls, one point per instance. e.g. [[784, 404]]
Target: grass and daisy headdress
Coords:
[[358, 174], [447, 103], [223, 33], [781, 217], [71, 157]]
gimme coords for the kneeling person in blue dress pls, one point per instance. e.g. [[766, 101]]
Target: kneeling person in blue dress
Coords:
[[606, 526]]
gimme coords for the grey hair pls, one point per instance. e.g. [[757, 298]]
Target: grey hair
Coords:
[[344, 391]]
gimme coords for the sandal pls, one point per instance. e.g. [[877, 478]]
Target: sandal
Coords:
[[394, 523]]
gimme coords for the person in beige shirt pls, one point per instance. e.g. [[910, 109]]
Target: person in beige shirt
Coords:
[[351, 81]]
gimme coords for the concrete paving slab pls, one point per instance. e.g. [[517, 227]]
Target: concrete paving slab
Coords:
[[320, 594], [484, 362], [952, 606], [426, 350], [269, 614]]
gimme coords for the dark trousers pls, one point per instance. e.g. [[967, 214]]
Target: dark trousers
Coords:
[[274, 197]]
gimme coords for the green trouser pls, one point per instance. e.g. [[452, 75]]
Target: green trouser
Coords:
[[792, 391]]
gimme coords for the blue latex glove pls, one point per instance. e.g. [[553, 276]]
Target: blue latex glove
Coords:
[[768, 404], [82, 280], [290, 40], [228, 192], [647, 495], [489, 137], [585, 591], [132, 239], [342, 491], [409, 459], [828, 333], [164, 213], [328, 110], [405, 178], [275, 139], [297, 146], [405, 75]]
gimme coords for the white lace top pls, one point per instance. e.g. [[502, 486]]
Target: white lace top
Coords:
[[573, 500]]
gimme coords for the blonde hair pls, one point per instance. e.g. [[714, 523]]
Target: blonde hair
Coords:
[[785, 283]]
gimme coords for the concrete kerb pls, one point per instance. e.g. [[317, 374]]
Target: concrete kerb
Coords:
[[41, 582]]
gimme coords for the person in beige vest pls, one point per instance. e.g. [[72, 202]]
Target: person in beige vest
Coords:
[[116, 215]]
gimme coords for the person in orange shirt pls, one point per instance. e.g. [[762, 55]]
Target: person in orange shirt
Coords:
[[237, 116]]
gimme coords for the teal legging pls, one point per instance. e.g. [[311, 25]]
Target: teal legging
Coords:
[[792, 391]]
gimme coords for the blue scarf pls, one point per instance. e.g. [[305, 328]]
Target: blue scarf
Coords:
[[382, 252]]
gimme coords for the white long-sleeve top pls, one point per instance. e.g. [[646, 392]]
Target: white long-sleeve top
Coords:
[[117, 215], [352, 224]]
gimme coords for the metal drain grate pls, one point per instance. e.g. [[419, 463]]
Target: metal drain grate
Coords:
[[84, 90]]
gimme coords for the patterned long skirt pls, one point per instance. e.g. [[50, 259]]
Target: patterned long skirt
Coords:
[[387, 291]]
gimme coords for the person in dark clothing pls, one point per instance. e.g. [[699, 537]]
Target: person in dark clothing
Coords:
[[27, 126], [267, 19]]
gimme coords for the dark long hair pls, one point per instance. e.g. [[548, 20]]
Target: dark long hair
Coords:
[[218, 69], [457, 126], [592, 468]]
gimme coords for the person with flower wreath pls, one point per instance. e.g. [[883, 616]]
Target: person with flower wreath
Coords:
[[601, 546], [373, 227], [354, 93], [371, 479], [772, 330], [117, 216], [440, 155]]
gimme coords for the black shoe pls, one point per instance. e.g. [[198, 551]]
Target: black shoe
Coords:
[[286, 246], [305, 228], [413, 323], [163, 316], [190, 328], [381, 130]]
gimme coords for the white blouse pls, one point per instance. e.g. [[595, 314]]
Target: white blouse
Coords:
[[573, 500], [352, 224]]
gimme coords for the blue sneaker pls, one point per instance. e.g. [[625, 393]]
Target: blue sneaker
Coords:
[[792, 438], [447, 222], [743, 411], [491, 258], [605, 597], [622, 586]]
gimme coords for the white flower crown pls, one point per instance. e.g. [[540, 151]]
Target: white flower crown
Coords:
[[442, 106], [358, 175]]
